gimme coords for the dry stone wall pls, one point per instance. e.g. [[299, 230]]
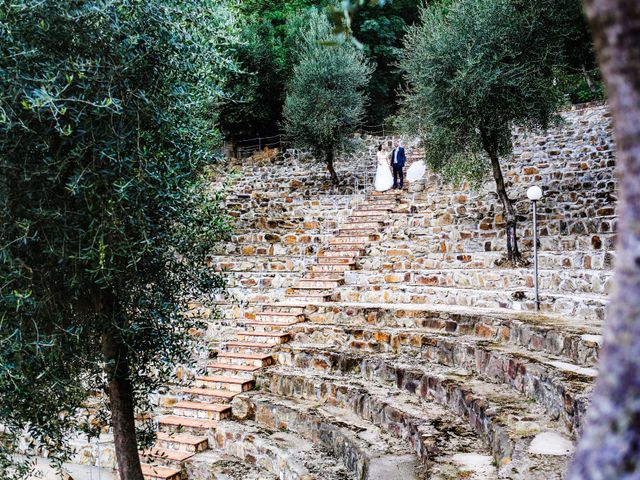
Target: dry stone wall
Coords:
[[449, 246], [448, 243], [406, 362], [383, 326]]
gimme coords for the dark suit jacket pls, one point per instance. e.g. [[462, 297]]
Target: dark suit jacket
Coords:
[[401, 156]]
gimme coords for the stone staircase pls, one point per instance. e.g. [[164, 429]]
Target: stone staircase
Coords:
[[350, 242], [467, 392], [432, 256], [377, 336], [449, 246], [190, 426]]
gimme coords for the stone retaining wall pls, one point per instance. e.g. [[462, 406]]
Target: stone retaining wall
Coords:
[[574, 165]]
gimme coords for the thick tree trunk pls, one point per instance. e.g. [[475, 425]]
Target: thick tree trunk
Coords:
[[490, 146], [610, 443], [332, 171], [122, 408]]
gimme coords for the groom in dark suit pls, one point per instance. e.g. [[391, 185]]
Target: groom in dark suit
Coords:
[[397, 164]]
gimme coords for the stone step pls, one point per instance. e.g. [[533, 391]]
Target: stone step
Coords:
[[563, 281], [351, 253], [202, 410], [313, 286], [381, 214], [260, 281], [574, 340], [366, 212], [182, 442], [390, 426], [257, 359], [175, 423], [269, 315], [376, 209], [388, 193], [377, 226], [343, 248], [357, 232], [277, 338], [280, 452], [335, 261], [374, 199], [218, 465], [393, 202], [224, 382], [366, 217], [561, 387], [378, 220], [258, 327], [365, 450], [154, 472], [249, 347], [428, 254], [585, 306], [206, 394], [315, 283], [156, 455], [332, 267], [320, 293], [338, 277], [281, 306], [309, 297], [353, 240], [501, 416], [229, 368]]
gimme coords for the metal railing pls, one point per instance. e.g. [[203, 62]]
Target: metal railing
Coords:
[[246, 147]]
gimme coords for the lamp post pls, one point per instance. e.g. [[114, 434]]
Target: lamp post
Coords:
[[534, 194]]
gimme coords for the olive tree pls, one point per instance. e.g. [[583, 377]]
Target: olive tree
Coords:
[[474, 69], [107, 120], [326, 97]]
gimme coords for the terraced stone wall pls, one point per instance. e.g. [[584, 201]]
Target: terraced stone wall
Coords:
[[442, 246], [573, 162], [454, 238]]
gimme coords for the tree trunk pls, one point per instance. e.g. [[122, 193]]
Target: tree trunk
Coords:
[[332, 171], [610, 443], [121, 404], [587, 78], [490, 145]]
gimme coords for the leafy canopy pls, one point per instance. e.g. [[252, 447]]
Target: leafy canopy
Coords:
[[479, 66], [326, 100], [107, 114], [255, 100], [380, 27]]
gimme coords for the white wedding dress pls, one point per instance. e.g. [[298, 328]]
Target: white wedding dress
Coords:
[[384, 178]]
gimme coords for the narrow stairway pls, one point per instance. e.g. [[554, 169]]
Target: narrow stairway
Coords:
[[190, 427]]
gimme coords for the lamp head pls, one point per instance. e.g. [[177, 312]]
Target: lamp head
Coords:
[[534, 193]]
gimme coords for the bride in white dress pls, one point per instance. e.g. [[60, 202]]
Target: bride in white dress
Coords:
[[384, 178]]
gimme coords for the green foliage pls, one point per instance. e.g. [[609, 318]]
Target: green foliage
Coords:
[[325, 101], [377, 27], [586, 86], [278, 12], [253, 105], [382, 41], [578, 76], [479, 66], [380, 27], [107, 114], [255, 100]]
